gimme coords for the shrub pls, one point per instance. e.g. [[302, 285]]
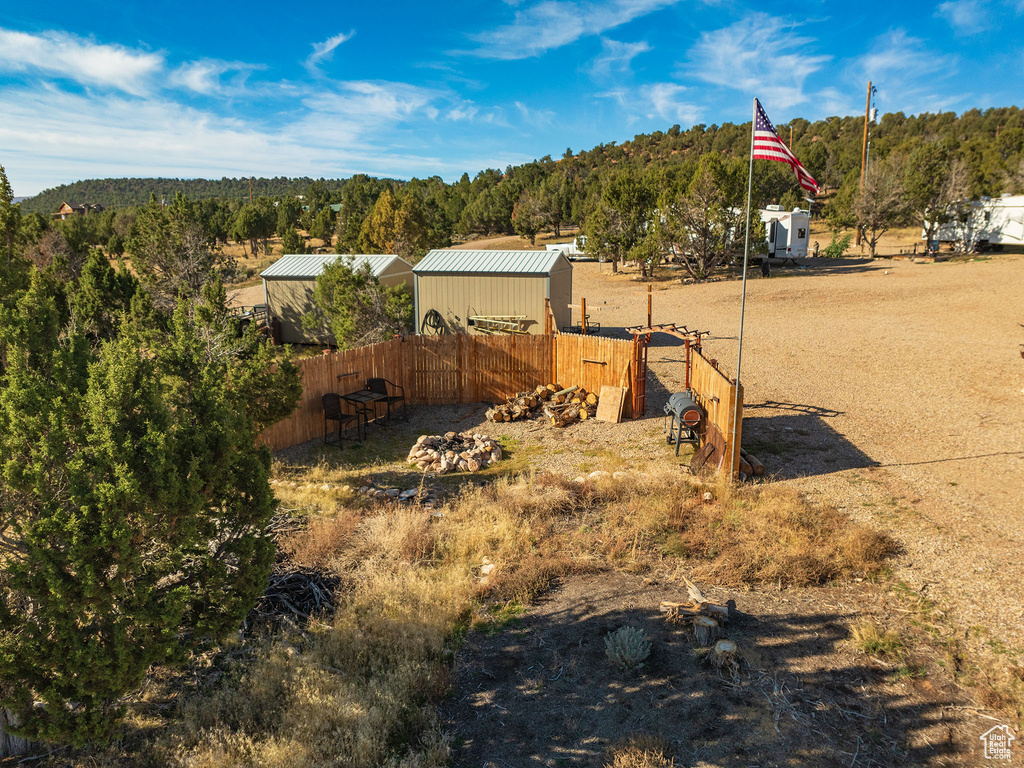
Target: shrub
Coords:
[[838, 247], [627, 647]]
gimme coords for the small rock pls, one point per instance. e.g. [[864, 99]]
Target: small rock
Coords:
[[391, 493], [408, 494]]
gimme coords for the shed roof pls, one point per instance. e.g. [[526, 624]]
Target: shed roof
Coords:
[[450, 261], [310, 265]]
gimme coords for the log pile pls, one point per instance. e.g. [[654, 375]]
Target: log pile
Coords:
[[750, 466], [563, 406], [454, 452]]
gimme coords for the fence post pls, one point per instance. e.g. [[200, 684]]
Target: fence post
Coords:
[[459, 368]]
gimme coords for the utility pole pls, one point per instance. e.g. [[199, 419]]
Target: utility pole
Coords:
[[863, 154]]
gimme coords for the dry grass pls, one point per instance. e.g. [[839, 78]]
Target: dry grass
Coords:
[[360, 690], [774, 536], [639, 751], [867, 637]]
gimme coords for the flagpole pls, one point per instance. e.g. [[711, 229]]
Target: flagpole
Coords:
[[743, 302]]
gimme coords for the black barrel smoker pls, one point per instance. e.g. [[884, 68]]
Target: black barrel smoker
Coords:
[[684, 418]]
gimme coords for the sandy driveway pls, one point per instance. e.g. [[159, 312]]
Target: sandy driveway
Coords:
[[891, 389]]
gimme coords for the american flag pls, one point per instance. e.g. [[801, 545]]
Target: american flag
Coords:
[[768, 146]]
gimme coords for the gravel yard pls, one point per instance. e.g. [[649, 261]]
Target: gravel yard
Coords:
[[888, 388]]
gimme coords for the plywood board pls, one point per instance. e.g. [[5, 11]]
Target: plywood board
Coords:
[[609, 408]]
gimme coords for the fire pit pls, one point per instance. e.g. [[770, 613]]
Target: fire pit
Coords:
[[454, 452]]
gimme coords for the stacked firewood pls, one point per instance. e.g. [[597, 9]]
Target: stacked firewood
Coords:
[[563, 406]]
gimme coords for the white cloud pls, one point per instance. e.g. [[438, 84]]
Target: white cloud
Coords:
[[536, 118], [760, 55], [967, 17], [204, 76], [325, 50], [83, 61], [664, 102], [554, 23], [900, 60], [371, 102], [124, 136], [616, 57], [906, 70]]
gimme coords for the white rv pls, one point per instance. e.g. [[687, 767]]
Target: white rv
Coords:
[[991, 222], [788, 231]]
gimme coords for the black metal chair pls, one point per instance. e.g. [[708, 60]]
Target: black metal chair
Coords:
[[333, 412], [380, 386]]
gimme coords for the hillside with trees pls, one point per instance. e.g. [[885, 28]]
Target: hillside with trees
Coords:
[[927, 161]]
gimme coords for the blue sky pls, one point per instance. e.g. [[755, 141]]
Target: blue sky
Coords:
[[189, 89]]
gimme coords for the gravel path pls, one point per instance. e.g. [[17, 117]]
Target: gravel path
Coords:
[[888, 388]]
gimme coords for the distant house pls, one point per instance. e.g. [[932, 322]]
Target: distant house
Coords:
[[474, 291], [80, 209], [289, 282]]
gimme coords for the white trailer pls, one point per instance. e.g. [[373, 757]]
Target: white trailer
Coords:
[[787, 231], [990, 223]]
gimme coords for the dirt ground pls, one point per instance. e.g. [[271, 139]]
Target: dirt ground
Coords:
[[889, 388], [542, 692]]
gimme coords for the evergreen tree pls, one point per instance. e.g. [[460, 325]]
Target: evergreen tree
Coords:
[[171, 251], [356, 307], [699, 225], [377, 234], [101, 297], [322, 226], [528, 216], [411, 232], [292, 242], [10, 215], [133, 506], [622, 217]]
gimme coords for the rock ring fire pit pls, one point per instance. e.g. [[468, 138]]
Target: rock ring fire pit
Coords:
[[454, 452]]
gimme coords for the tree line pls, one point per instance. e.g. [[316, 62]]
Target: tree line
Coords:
[[611, 191]]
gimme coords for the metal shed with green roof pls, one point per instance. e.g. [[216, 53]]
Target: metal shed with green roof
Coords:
[[454, 286], [288, 286]]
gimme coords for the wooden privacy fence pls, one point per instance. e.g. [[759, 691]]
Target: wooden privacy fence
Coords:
[[445, 370], [717, 395]]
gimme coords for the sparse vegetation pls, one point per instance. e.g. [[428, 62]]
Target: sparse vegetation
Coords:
[[639, 751], [871, 639], [627, 647], [358, 689]]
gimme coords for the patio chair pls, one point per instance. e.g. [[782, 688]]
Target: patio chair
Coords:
[[380, 386], [333, 412]]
